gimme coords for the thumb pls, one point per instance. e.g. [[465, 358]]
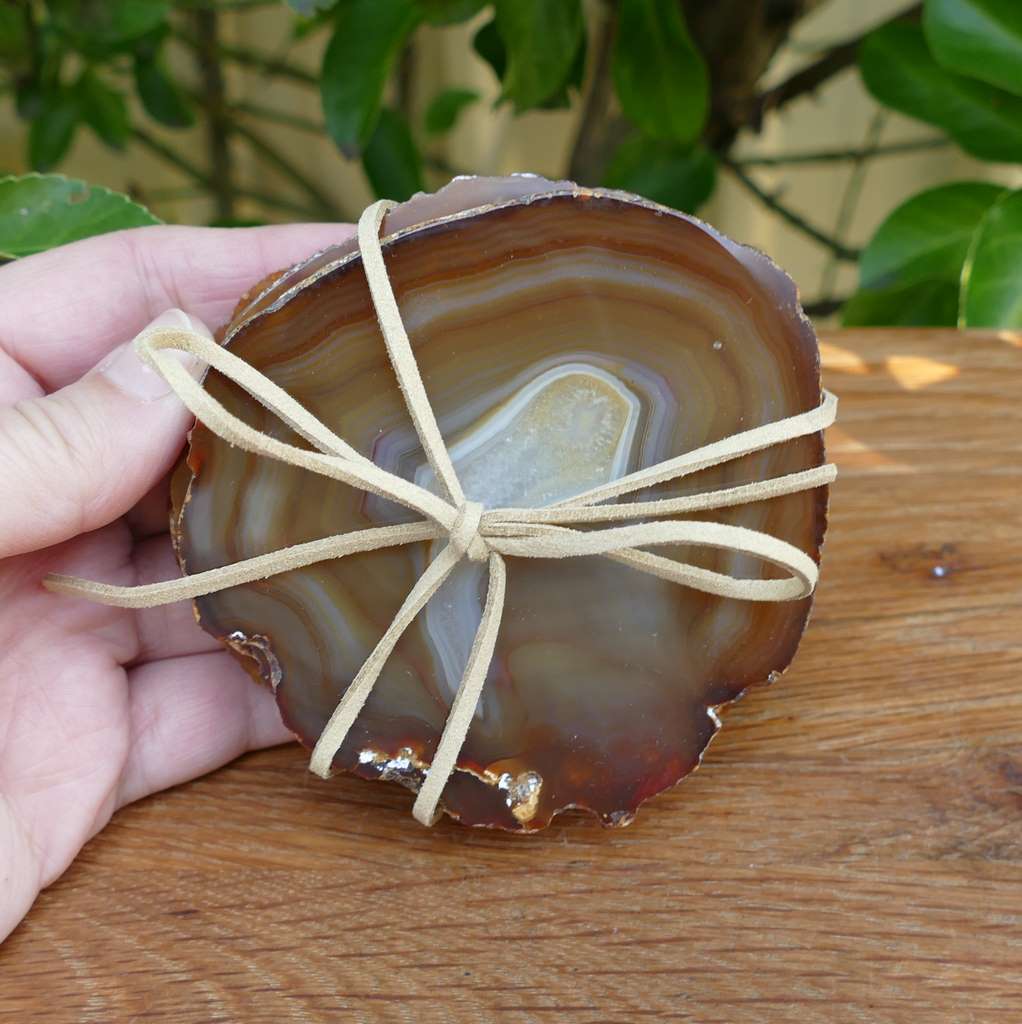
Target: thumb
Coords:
[[76, 460]]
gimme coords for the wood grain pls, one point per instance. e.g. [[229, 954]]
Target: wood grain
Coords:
[[851, 849]]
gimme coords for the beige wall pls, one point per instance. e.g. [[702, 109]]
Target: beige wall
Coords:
[[491, 141]]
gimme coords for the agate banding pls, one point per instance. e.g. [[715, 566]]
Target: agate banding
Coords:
[[565, 336]]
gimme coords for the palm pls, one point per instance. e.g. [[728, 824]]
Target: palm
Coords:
[[100, 706], [65, 702], [88, 723]]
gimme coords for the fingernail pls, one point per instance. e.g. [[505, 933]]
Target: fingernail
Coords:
[[123, 368]]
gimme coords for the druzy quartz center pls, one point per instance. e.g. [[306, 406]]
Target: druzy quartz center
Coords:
[[564, 432]]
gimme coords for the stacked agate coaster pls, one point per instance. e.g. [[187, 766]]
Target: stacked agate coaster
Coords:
[[565, 337]]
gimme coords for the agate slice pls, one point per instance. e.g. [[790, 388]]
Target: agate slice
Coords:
[[566, 336]]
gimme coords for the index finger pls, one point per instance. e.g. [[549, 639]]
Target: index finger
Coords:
[[63, 310]]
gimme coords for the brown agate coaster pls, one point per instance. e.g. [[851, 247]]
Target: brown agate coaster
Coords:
[[565, 336]]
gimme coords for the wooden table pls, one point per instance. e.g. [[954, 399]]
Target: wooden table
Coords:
[[851, 849]]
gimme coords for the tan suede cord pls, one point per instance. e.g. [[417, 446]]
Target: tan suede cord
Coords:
[[470, 530]]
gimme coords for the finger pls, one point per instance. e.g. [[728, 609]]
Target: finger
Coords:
[[66, 308], [16, 383], [78, 459], [191, 715], [169, 630]]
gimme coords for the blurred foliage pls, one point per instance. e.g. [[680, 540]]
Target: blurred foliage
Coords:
[[950, 255], [666, 89]]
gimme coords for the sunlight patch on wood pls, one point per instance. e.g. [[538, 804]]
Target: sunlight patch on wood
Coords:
[[834, 357], [916, 372], [855, 455]]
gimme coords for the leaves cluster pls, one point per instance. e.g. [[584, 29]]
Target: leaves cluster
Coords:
[[953, 254], [72, 63], [537, 49], [947, 255]]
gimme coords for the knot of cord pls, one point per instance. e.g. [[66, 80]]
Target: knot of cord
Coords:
[[465, 535]]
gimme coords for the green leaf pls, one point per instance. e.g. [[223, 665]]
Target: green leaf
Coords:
[[927, 236], [659, 75], [13, 40], [928, 304], [678, 176], [909, 272], [446, 106], [103, 109], [391, 160], [160, 95], [992, 279], [368, 36], [900, 72], [542, 39], [562, 98], [52, 129], [488, 43], [979, 38], [449, 12], [40, 211], [97, 27]]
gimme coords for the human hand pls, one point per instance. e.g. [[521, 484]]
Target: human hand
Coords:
[[101, 706]]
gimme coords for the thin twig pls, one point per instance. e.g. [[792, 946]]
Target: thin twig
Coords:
[[170, 156], [324, 202], [160, 195], [274, 66], [305, 124], [441, 166], [824, 156], [825, 307], [850, 199], [792, 218], [405, 90]]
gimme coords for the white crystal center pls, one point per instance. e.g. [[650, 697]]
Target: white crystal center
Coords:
[[569, 429]]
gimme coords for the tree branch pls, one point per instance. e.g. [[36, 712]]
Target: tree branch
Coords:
[[599, 131], [825, 307], [792, 218], [203, 180], [324, 203], [823, 156], [274, 66], [213, 100], [305, 124], [809, 78], [405, 90], [852, 194], [814, 75]]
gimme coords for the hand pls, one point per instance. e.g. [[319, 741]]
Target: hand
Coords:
[[101, 706]]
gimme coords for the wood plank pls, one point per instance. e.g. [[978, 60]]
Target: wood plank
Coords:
[[851, 849]]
